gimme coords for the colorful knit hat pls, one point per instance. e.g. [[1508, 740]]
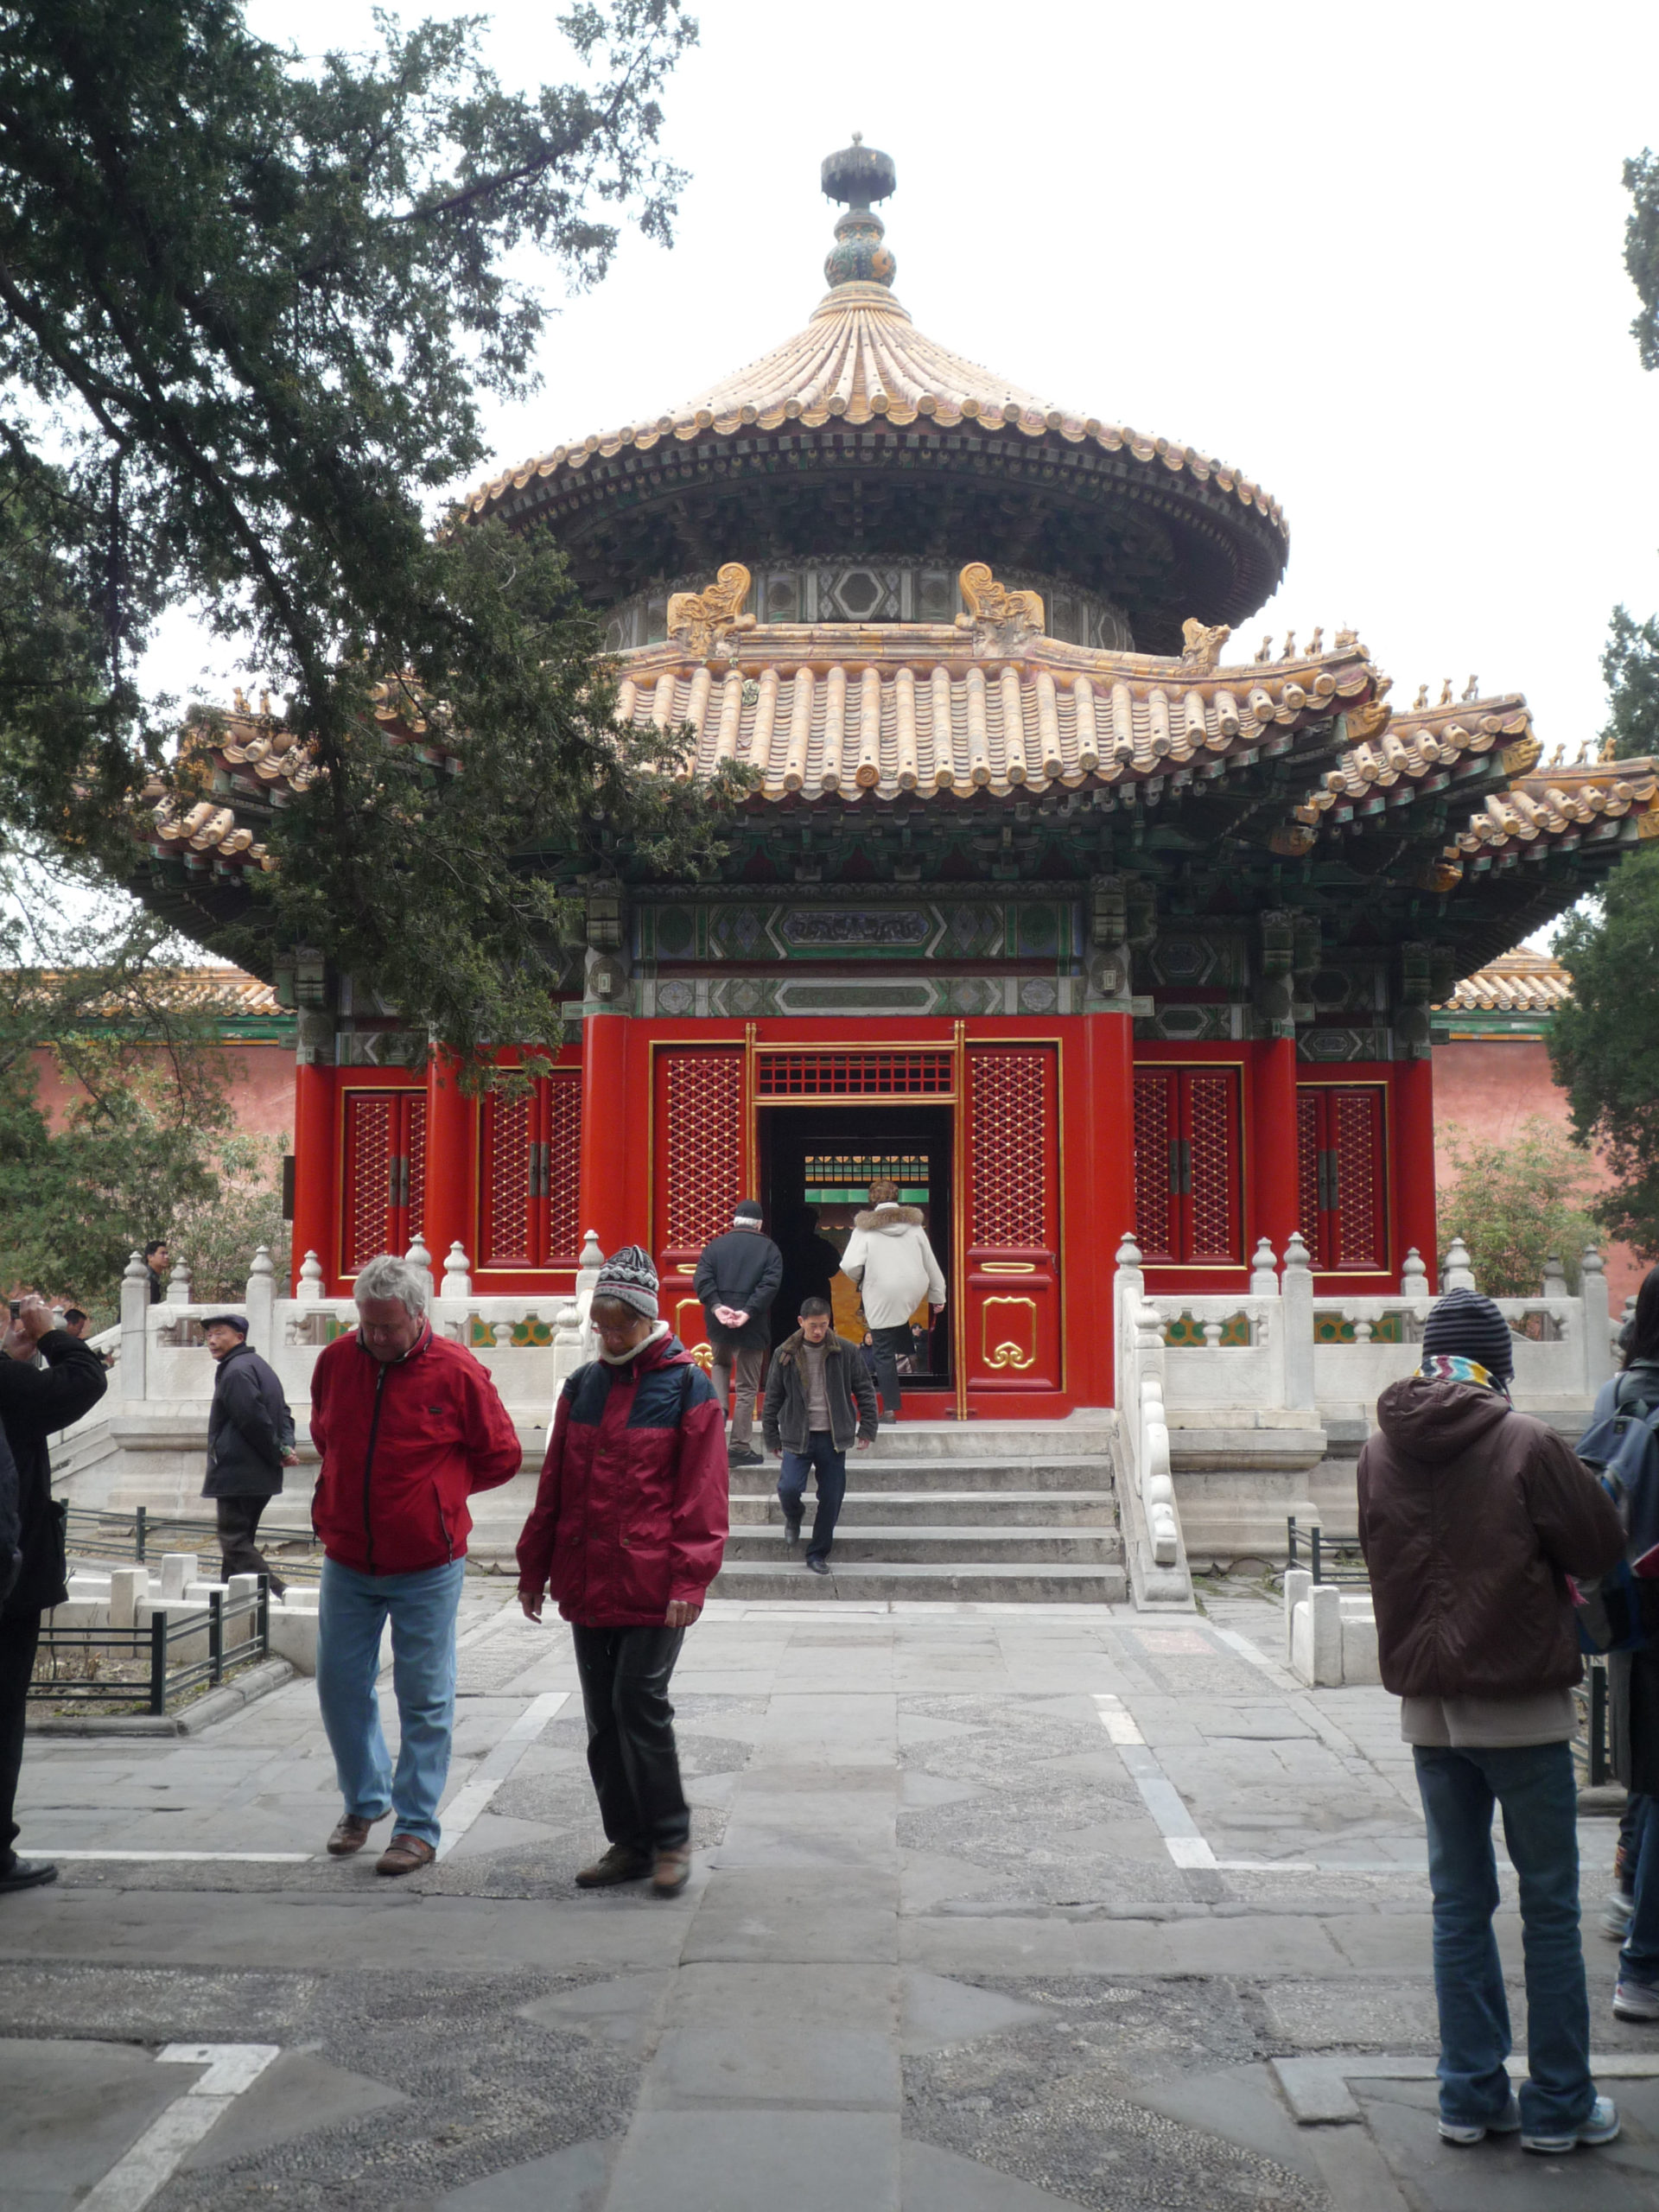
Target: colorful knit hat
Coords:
[[629, 1277], [1464, 1324]]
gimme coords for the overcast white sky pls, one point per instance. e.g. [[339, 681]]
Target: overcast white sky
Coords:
[[1370, 254]]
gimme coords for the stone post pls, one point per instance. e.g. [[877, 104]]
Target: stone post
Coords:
[[418, 1256], [178, 1286], [1554, 1277], [135, 1318], [1264, 1272], [1413, 1276], [1459, 1273], [457, 1273], [1598, 1321], [262, 1302], [1296, 1292], [309, 1290]]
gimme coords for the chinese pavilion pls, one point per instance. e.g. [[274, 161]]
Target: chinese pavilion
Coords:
[[1043, 902]]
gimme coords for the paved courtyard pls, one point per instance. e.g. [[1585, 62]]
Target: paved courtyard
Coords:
[[994, 1909]]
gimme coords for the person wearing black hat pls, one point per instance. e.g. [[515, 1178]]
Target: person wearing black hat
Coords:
[[249, 1441], [737, 1279], [1473, 1517]]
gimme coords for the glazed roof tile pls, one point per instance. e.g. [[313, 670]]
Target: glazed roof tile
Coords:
[[1515, 983]]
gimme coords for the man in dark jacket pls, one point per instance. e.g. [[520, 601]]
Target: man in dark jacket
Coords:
[[1472, 1517], [819, 1395], [737, 1279], [249, 1441], [34, 1403], [628, 1531], [407, 1425]]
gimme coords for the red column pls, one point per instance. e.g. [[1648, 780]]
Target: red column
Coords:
[[316, 1228], [1413, 1164], [449, 1147], [1276, 1200], [1095, 1231], [605, 1135]]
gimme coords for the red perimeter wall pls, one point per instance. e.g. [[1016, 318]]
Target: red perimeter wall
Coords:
[[261, 1088]]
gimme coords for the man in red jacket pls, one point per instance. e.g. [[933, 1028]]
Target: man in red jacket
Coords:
[[629, 1528], [407, 1425]]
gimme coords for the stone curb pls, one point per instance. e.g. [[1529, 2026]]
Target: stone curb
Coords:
[[218, 1704], [1317, 2091]]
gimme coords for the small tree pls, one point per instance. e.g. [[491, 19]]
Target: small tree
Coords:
[[1514, 1203]]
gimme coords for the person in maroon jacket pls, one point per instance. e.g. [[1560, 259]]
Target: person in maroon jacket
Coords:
[[407, 1425], [628, 1529]]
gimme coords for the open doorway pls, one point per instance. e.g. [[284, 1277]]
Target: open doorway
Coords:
[[816, 1165]]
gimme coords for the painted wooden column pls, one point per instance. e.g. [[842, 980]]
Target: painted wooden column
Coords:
[[604, 1131], [316, 1204], [1276, 1195], [451, 1141], [1096, 1229], [1414, 1164]]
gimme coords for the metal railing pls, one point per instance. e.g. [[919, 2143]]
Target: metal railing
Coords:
[[155, 1678], [1342, 1564], [96, 1533], [1594, 1745]]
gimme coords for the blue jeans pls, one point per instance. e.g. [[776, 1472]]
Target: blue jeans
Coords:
[[822, 1458], [353, 1610], [1639, 1960], [1534, 1786]]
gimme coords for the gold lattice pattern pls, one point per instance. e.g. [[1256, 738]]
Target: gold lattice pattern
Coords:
[[1153, 1226], [705, 1146], [854, 1074], [1011, 1102], [369, 1186], [1307, 1174], [564, 1166], [509, 1193], [415, 1171], [1357, 1168], [1215, 1235]]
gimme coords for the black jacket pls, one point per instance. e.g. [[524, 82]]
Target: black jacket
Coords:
[[249, 1428], [846, 1383], [11, 1526], [742, 1270], [34, 1403]]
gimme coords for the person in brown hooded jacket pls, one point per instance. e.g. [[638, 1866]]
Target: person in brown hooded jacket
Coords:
[[1471, 1519]]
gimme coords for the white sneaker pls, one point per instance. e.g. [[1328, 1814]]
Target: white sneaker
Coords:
[[1615, 1921], [1599, 2126], [1457, 2132], [1635, 2001]]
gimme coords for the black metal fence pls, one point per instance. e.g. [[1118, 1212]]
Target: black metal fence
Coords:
[[1595, 1747], [141, 1664], [143, 1535], [1307, 1549]]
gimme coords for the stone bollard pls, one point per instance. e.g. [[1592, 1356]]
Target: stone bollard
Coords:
[[262, 1302], [129, 1590], [1316, 1637], [239, 1591], [309, 1288], [1298, 1582], [1459, 1273], [179, 1570]]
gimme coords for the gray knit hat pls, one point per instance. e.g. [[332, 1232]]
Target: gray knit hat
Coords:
[[629, 1277], [1464, 1324]]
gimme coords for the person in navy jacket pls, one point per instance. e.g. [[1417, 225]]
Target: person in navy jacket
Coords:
[[628, 1531]]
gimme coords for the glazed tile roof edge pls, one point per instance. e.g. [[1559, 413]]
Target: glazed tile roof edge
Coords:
[[861, 360], [1516, 982]]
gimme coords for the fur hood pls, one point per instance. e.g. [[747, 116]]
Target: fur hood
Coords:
[[889, 1216]]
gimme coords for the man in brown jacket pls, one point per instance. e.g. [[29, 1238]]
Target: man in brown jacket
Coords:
[[1472, 1517]]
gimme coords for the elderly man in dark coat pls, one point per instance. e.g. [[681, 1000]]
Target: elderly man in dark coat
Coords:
[[249, 1441], [36, 1402]]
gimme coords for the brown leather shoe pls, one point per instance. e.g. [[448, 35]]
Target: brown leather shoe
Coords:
[[350, 1835], [619, 1863], [403, 1854], [671, 1872]]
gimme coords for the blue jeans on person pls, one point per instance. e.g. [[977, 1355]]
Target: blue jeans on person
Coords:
[[1639, 1960], [822, 1458], [1535, 1785], [353, 1611]]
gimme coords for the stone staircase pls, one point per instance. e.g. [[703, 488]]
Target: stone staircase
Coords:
[[1005, 1512]]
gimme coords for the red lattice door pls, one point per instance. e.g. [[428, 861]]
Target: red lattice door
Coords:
[[1011, 1327], [531, 1144], [384, 1178], [1339, 1130], [698, 1109], [1187, 1210]]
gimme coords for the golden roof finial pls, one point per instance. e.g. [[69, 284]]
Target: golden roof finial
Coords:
[[1315, 643], [1473, 690], [1446, 691], [1290, 645], [1266, 653], [1422, 700]]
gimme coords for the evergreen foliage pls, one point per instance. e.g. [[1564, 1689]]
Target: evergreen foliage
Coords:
[[249, 306], [1515, 1203]]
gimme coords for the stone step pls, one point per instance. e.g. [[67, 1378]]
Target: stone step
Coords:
[[882, 1582], [968, 1548], [999, 1440], [879, 1470], [1024, 1509]]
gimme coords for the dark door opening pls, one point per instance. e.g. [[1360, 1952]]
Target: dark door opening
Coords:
[[816, 1165]]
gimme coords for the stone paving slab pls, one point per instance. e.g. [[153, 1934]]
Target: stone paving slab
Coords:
[[994, 1909]]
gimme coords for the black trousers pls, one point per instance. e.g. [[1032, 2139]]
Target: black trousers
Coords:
[[18, 1638], [886, 1347], [238, 1524], [624, 1675]]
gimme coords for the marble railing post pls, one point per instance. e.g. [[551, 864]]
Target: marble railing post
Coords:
[[1598, 1321], [1296, 1321], [1459, 1274], [135, 1320], [261, 1303]]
